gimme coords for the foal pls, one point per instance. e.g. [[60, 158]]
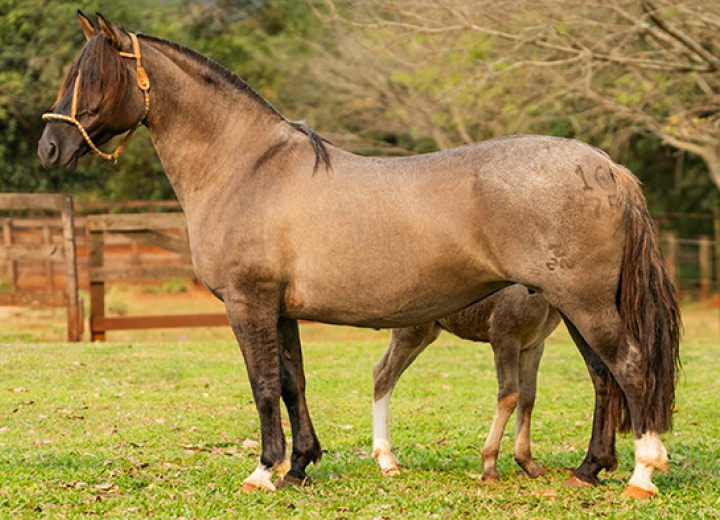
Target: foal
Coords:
[[515, 323]]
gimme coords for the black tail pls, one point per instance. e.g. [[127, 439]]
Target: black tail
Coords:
[[648, 305]]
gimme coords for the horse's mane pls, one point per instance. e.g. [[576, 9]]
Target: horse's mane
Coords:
[[216, 74], [108, 76]]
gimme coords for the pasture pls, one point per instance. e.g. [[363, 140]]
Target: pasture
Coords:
[[162, 424]]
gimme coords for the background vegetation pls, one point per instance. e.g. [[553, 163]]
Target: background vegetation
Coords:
[[638, 78]]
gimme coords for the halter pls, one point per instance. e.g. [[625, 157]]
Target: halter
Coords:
[[142, 81]]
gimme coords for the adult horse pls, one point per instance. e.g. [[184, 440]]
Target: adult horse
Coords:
[[516, 324], [283, 226]]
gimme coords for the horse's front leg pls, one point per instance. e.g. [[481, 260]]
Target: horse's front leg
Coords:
[[306, 446], [255, 324], [506, 350]]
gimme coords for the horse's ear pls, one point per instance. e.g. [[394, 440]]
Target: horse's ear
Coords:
[[89, 28], [114, 33]]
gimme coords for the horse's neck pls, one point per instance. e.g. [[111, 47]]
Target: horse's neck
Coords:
[[202, 131]]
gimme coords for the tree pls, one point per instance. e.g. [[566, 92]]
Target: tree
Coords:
[[605, 71], [39, 40]]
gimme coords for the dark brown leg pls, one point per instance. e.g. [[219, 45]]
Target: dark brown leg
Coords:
[[601, 452], [306, 446], [255, 324]]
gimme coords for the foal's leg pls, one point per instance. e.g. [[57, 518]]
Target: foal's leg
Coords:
[[507, 356], [405, 346], [255, 327], [529, 365], [601, 452], [305, 447]]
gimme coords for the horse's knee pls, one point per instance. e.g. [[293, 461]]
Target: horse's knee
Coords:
[[267, 400]]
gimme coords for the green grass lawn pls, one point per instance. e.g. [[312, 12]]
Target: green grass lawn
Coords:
[[167, 430]]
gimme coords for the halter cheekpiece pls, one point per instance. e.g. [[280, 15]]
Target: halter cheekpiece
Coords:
[[143, 83]]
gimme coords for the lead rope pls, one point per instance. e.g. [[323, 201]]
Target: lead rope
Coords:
[[143, 83]]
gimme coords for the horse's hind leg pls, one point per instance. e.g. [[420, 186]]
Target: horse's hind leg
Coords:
[[507, 359], [529, 365], [601, 452], [605, 333], [405, 346], [305, 444]]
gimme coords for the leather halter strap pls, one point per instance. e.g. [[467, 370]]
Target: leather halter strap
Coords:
[[143, 83]]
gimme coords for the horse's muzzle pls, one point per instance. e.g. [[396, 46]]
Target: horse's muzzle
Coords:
[[55, 152]]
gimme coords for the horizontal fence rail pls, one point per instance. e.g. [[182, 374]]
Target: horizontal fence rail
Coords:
[[151, 229]]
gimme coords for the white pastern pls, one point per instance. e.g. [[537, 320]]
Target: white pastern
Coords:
[[650, 454], [260, 478], [381, 436]]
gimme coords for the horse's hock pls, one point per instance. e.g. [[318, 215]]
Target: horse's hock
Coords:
[[49, 252]]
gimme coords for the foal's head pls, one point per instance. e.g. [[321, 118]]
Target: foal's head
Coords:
[[100, 97]]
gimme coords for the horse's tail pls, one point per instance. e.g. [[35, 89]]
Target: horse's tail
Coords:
[[648, 305]]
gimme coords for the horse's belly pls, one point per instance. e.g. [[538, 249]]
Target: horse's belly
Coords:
[[381, 295]]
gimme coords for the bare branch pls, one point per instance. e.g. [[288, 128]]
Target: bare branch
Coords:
[[679, 35]]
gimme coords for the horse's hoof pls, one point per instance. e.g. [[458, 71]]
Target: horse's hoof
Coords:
[[638, 492], [489, 479], [260, 478], [289, 480], [249, 487], [576, 483], [391, 471], [535, 471], [536, 474]]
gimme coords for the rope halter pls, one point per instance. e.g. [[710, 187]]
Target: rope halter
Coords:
[[142, 81]]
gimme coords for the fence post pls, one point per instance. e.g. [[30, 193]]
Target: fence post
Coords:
[[671, 254], [12, 264], [49, 266], [96, 245], [74, 310], [705, 261], [716, 229]]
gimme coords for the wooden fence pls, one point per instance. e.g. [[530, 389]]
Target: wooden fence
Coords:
[[46, 252], [153, 229]]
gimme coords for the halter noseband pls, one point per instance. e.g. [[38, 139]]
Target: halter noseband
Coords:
[[142, 81]]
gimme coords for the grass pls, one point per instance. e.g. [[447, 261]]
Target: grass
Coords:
[[168, 429]]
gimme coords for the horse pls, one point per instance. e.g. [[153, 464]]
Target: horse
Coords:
[[516, 324], [284, 226]]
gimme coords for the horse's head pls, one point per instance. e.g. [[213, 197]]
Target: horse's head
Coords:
[[104, 94]]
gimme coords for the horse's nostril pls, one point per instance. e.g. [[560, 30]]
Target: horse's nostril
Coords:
[[52, 152], [49, 152]]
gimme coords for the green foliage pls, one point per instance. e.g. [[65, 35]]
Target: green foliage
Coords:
[[39, 40]]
